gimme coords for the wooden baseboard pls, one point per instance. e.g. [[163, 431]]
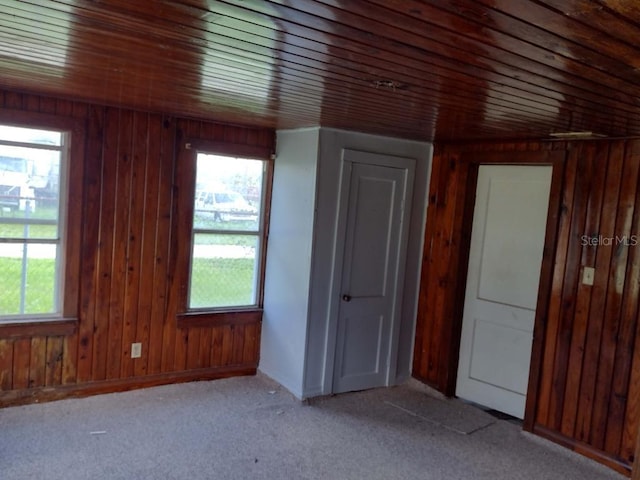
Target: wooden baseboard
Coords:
[[59, 392], [605, 458]]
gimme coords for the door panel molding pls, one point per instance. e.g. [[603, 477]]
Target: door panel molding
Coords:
[[349, 158], [470, 162], [503, 278]]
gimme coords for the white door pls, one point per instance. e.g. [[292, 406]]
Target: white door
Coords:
[[375, 220], [507, 241]]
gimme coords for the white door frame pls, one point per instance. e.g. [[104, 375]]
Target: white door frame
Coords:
[[490, 313], [555, 158], [348, 158]]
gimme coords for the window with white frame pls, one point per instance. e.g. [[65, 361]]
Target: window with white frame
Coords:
[[32, 203], [228, 231]]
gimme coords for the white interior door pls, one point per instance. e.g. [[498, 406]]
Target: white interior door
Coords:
[[372, 268], [507, 241]]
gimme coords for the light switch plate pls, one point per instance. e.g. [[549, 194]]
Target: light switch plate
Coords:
[[588, 274], [136, 350]]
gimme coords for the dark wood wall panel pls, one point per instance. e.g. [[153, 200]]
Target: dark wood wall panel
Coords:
[[438, 282], [586, 382], [127, 266], [587, 388]]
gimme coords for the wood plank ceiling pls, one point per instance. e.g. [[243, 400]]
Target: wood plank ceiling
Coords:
[[424, 69]]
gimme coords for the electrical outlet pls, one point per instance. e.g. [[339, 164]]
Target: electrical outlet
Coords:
[[136, 350], [588, 274]]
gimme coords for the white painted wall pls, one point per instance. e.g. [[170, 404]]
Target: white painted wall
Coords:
[[289, 250], [321, 336], [297, 335]]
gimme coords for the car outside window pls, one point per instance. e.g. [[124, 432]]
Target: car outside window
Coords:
[[33, 166], [228, 231]]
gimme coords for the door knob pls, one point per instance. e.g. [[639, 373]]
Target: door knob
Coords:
[[346, 298]]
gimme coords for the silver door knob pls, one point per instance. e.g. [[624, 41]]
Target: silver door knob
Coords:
[[346, 298]]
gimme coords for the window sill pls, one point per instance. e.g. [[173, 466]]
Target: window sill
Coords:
[[219, 318], [39, 328]]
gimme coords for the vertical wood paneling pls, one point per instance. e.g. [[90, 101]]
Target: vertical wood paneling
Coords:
[[250, 343], [628, 325], [63, 108], [148, 151], [161, 322], [90, 328], [583, 161], [598, 304], [206, 342], [630, 437], [32, 103], [70, 359], [557, 285], [37, 363], [135, 228], [73, 240], [442, 242], [169, 321], [438, 273], [6, 364], [588, 387], [238, 345], [13, 100], [53, 366], [80, 110], [216, 346], [227, 345], [629, 350], [188, 344], [593, 209], [129, 228], [122, 213], [181, 340], [194, 347], [454, 276], [21, 359], [105, 244], [623, 215], [427, 292], [48, 105]]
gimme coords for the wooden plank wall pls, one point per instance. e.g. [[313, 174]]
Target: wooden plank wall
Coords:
[[588, 394], [127, 292]]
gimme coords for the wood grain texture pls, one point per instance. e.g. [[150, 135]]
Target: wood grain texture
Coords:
[[37, 363], [125, 230], [428, 70], [6, 364], [595, 192], [545, 289], [620, 389], [586, 385], [555, 301]]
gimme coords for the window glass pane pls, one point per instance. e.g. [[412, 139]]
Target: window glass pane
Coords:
[[30, 205], [228, 193], [33, 292], [224, 270], [30, 135], [29, 183], [12, 228]]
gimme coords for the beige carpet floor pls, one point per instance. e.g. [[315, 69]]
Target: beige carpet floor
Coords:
[[250, 428]]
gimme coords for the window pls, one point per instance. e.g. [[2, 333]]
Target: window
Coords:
[[228, 232], [32, 213]]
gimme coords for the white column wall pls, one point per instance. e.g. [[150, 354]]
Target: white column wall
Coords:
[[320, 343], [296, 339], [289, 251]]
